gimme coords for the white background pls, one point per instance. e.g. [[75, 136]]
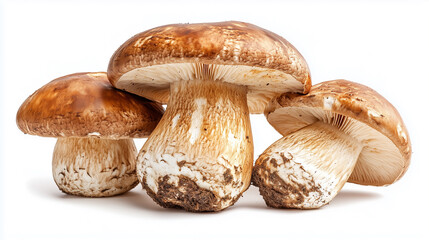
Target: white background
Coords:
[[383, 44]]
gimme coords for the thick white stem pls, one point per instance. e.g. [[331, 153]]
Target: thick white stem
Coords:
[[307, 168], [94, 167], [200, 155]]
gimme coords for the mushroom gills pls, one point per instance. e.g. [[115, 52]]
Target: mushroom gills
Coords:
[[262, 83], [94, 167], [199, 157], [307, 168]]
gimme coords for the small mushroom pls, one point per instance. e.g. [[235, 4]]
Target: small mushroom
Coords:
[[341, 131], [211, 75], [94, 155]]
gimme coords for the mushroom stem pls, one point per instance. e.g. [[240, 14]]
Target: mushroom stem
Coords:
[[94, 167], [200, 155], [307, 168]]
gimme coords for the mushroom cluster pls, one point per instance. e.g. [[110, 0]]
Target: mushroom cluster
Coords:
[[199, 154]]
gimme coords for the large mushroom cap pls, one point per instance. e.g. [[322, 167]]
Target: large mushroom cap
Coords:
[[233, 52], [360, 112], [85, 105]]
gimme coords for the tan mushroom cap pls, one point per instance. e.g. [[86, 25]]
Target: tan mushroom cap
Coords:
[[233, 52], [386, 154], [87, 105]]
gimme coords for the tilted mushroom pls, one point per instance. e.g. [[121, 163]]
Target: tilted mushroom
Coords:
[[341, 131], [212, 75], [94, 155]]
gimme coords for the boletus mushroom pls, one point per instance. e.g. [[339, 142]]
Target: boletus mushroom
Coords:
[[94, 155], [211, 76], [340, 131]]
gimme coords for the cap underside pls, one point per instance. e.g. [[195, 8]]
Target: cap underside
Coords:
[[153, 82], [379, 163]]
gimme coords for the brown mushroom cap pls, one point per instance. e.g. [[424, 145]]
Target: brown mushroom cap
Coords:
[[87, 105], [234, 52], [374, 122]]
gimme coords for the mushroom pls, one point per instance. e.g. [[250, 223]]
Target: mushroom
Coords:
[[341, 131], [94, 155], [212, 75]]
